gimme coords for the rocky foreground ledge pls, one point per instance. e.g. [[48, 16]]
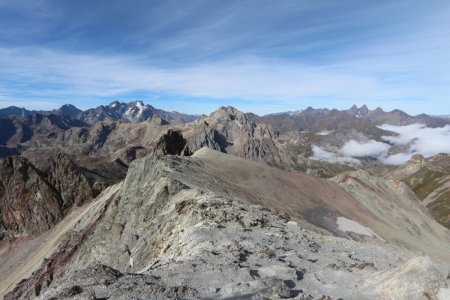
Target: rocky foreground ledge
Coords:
[[187, 228]]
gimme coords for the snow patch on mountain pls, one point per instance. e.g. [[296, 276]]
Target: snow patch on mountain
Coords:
[[348, 225], [325, 132]]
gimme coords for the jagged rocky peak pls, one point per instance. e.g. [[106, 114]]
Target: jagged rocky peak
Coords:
[[137, 111], [364, 110], [310, 111], [115, 104], [134, 111], [379, 110], [116, 107], [231, 131], [440, 156], [417, 158], [359, 112], [229, 112], [138, 105], [231, 115], [158, 121], [69, 110]]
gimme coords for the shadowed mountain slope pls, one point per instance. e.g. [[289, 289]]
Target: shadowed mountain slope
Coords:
[[33, 200]]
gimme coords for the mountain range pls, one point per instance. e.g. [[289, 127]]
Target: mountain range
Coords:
[[127, 201], [135, 112]]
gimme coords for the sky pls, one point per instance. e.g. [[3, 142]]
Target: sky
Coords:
[[257, 55]]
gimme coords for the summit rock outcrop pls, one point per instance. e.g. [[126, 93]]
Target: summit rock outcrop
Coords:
[[230, 131]]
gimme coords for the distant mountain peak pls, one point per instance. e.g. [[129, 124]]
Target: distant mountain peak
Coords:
[[228, 111], [69, 110], [134, 111], [17, 111], [379, 109], [417, 157], [364, 110], [114, 104], [359, 112]]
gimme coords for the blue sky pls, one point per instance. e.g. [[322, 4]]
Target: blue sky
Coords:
[[194, 56]]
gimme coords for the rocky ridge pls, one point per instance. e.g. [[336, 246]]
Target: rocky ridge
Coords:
[[187, 228]]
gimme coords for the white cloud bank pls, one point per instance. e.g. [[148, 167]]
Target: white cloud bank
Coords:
[[424, 140], [415, 138], [371, 148], [331, 157]]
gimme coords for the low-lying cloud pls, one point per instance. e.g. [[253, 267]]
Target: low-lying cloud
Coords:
[[371, 148], [396, 159], [332, 157], [423, 140], [395, 150]]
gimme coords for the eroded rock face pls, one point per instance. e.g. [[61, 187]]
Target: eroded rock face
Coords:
[[230, 131], [70, 182], [34, 200], [29, 204], [36, 129]]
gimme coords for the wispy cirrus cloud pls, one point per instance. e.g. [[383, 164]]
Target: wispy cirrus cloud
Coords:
[[290, 53], [44, 73], [29, 104], [244, 77]]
